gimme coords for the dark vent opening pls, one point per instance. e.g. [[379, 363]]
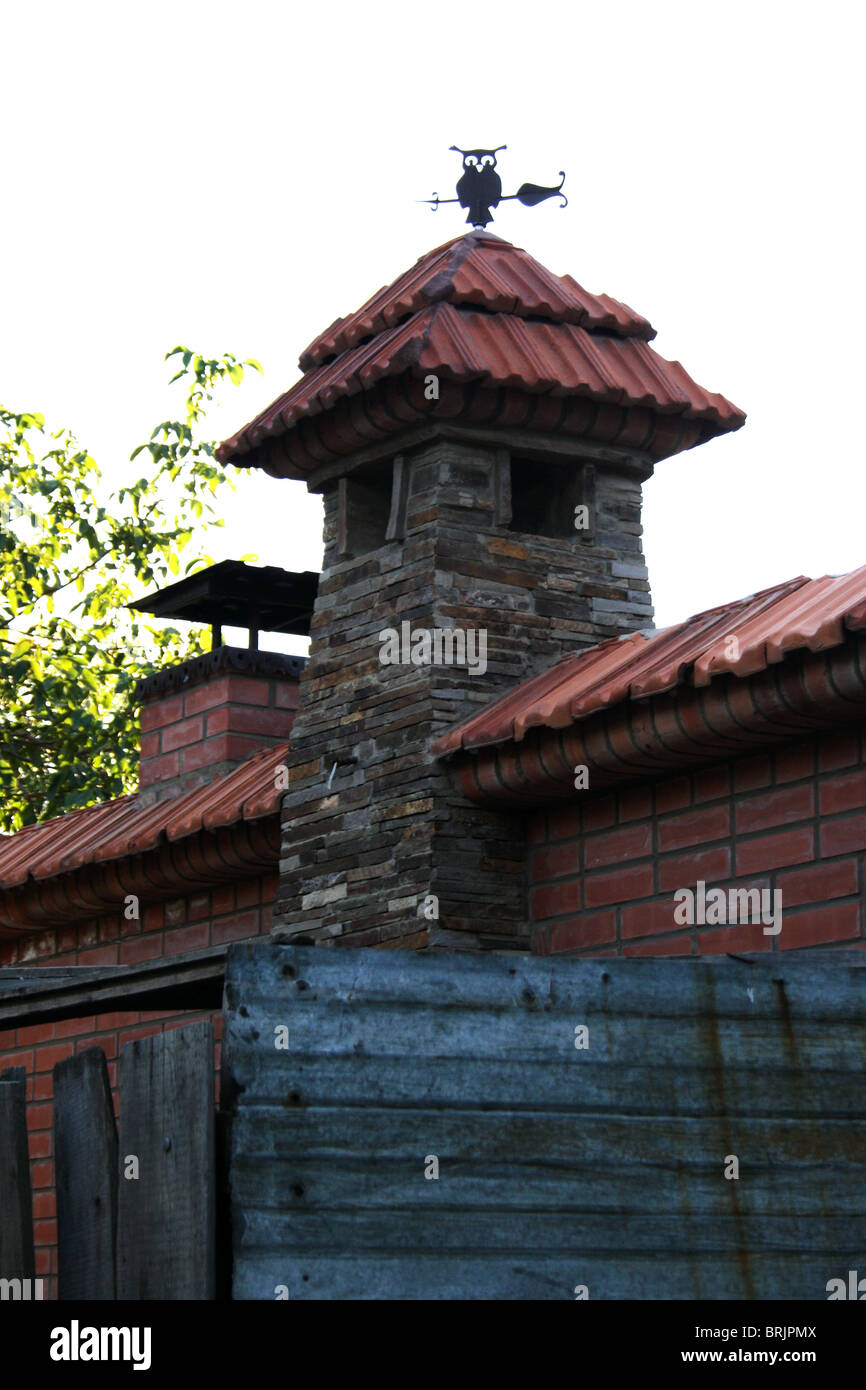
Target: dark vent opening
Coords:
[[366, 506], [543, 497]]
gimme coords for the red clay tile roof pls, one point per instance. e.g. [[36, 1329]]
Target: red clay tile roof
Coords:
[[483, 270], [801, 615], [554, 359], [116, 829], [481, 311]]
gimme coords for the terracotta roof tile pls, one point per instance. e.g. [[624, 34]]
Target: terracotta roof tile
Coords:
[[479, 310], [531, 355], [736, 639], [126, 826], [477, 269]]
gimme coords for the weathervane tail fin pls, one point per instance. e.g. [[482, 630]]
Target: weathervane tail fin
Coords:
[[532, 193]]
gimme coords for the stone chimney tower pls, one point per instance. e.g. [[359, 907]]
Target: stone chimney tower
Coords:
[[480, 431]]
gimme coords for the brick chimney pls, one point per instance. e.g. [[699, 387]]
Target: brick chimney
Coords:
[[204, 717], [479, 431]]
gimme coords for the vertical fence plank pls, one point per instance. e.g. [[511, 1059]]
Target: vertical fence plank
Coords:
[[166, 1215], [85, 1147], [223, 1270], [16, 1203]]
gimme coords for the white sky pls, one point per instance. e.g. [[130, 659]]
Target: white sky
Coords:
[[235, 176]]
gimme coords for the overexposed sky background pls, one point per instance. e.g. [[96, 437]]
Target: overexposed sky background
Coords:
[[235, 176]]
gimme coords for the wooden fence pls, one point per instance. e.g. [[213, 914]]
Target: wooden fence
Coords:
[[136, 1218], [440, 1127]]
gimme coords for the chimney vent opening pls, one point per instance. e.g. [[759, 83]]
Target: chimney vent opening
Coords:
[[365, 510], [544, 496]]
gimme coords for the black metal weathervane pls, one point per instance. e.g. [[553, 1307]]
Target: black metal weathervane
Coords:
[[480, 187]]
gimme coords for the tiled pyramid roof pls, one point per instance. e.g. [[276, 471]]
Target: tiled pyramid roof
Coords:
[[487, 318], [480, 270]]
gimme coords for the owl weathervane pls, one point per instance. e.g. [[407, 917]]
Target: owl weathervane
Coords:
[[480, 187]]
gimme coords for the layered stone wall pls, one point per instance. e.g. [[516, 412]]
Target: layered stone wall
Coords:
[[379, 848]]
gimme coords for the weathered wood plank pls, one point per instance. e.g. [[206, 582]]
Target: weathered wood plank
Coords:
[[607, 1159], [85, 1147], [687, 1087], [16, 1204], [396, 528], [515, 1233], [527, 1135], [166, 1215], [534, 1276], [392, 1030], [192, 980], [387, 1035], [366, 1160], [319, 1181], [651, 987]]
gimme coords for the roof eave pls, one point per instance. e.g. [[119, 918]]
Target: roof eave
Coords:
[[171, 870], [686, 728]]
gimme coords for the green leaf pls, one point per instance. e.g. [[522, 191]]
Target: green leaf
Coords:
[[71, 651]]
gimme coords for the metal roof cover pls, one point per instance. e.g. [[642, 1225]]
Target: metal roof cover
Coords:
[[736, 639], [479, 310], [234, 594]]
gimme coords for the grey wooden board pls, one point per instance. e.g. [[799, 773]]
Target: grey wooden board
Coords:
[[166, 1216], [359, 1163], [16, 1205], [45, 994], [539, 1233], [558, 1166], [621, 1089], [528, 1275], [85, 1157]]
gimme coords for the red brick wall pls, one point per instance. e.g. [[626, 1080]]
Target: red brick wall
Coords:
[[604, 870], [228, 913], [189, 737]]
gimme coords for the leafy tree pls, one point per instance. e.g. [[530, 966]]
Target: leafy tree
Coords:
[[70, 559]]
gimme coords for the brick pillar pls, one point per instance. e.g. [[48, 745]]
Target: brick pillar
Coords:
[[206, 716]]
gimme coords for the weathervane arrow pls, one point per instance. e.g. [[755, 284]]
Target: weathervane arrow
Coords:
[[480, 188]]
